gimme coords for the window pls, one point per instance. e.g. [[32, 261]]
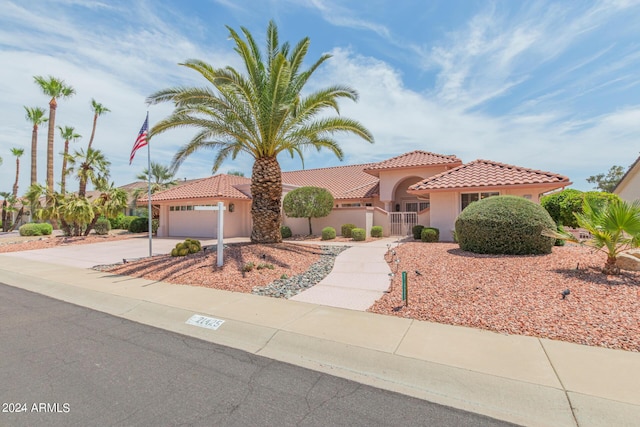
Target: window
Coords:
[[350, 205], [467, 198], [415, 206]]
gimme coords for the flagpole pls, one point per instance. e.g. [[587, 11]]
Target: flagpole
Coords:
[[149, 193]]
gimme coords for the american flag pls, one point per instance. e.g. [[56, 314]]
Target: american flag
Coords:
[[141, 140]]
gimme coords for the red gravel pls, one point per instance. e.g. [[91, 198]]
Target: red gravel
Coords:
[[519, 294], [200, 269]]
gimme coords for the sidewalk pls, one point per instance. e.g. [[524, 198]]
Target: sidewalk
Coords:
[[524, 380]]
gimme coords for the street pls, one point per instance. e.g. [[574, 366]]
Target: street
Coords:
[[65, 365]]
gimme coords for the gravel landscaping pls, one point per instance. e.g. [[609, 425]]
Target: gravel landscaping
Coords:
[[518, 294]]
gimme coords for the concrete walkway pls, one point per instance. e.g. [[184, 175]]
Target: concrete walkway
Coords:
[[360, 277], [521, 379]]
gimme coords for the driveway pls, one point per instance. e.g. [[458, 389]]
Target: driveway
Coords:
[[89, 255]]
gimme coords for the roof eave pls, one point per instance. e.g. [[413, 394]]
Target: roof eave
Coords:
[[546, 186]]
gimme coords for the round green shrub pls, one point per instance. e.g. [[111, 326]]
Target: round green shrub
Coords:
[[174, 252], [183, 252], [102, 226], [141, 225], [328, 233], [563, 204], [285, 232], [430, 234], [193, 248], [505, 225], [346, 230], [417, 231], [376, 231], [180, 245], [36, 229], [358, 234]]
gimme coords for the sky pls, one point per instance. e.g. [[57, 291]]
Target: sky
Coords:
[[553, 86]]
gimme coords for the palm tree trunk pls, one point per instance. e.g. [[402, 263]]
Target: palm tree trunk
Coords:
[[18, 219], [82, 188], [15, 184], [64, 168], [5, 225], [34, 155], [52, 129], [611, 266], [93, 131], [266, 192]]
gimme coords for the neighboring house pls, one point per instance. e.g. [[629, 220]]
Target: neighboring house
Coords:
[[629, 186], [414, 188]]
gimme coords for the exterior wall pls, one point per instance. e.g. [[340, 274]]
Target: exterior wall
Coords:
[[390, 179], [629, 189], [381, 217], [444, 210], [424, 217], [335, 219], [205, 223]]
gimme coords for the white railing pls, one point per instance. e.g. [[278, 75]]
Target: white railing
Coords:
[[401, 223]]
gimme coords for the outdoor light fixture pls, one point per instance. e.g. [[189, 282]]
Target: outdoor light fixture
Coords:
[[232, 207]]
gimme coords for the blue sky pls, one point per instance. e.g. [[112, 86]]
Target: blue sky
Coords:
[[546, 85]]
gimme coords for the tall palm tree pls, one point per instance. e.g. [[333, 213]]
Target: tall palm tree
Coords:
[[98, 110], [35, 116], [261, 113], [18, 152], [88, 166], [55, 88], [68, 134]]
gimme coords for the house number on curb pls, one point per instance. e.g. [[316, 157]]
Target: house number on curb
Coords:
[[204, 322]]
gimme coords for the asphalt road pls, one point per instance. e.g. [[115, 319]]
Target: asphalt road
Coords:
[[65, 365]]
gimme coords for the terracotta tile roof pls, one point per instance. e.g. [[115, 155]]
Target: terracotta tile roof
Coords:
[[485, 173], [222, 185], [414, 159], [344, 182]]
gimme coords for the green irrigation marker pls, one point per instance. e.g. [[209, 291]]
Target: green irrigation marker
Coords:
[[405, 290]]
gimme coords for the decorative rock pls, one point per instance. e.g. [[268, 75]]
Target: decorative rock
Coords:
[[629, 261], [286, 288]]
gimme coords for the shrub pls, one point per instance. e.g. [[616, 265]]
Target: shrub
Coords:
[[35, 229], [562, 205], [430, 234], [189, 246], [328, 233], [102, 226], [376, 231], [358, 234], [141, 225], [417, 231], [264, 265], [308, 202], [285, 232], [248, 267], [346, 230], [505, 225]]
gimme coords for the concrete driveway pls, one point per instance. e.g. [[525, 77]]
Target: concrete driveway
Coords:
[[89, 255]]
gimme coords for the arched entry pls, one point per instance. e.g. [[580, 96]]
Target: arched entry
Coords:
[[405, 202]]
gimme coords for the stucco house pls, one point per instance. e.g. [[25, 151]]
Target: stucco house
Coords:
[[629, 186], [418, 187]]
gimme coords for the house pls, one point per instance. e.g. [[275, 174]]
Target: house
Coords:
[[628, 188], [418, 187]]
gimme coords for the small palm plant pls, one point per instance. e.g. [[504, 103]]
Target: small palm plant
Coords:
[[614, 228]]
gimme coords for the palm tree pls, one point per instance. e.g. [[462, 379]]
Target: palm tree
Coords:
[[161, 178], [111, 201], [35, 116], [98, 110], [55, 88], [90, 166], [68, 134], [18, 152], [263, 114], [614, 228]]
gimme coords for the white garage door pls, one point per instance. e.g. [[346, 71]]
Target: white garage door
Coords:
[[193, 224]]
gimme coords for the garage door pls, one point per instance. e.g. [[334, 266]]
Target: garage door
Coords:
[[193, 224]]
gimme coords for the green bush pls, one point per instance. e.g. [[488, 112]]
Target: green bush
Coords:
[[141, 225], [417, 231], [504, 225], [346, 230], [430, 234], [328, 233], [102, 226], [358, 234], [561, 206], [36, 229], [376, 231], [285, 232], [189, 246]]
